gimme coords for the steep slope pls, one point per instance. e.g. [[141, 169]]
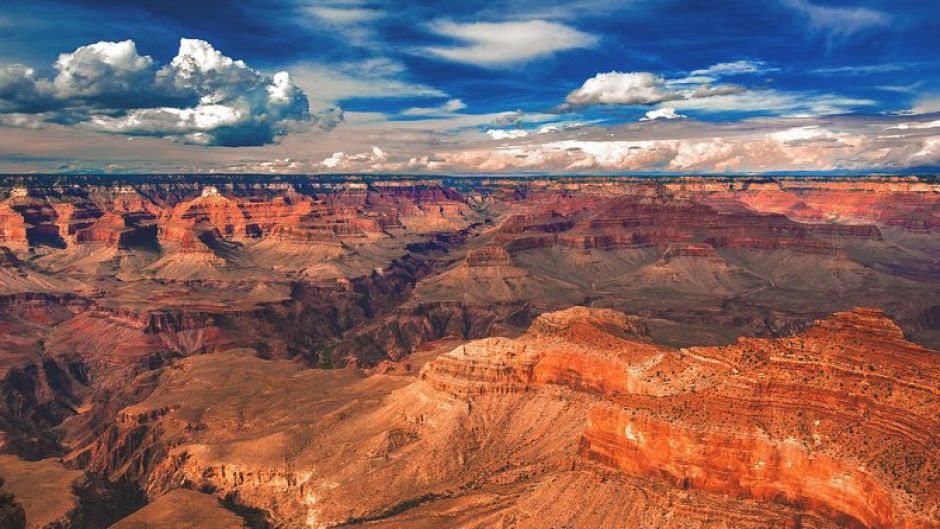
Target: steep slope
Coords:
[[487, 275], [182, 509], [841, 420], [693, 268], [44, 489], [19, 277], [12, 228]]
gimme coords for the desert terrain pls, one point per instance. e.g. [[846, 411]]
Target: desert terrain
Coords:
[[469, 352]]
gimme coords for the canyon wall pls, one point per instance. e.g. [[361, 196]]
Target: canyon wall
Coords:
[[677, 352]]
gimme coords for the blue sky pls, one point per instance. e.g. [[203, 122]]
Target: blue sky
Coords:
[[469, 86]]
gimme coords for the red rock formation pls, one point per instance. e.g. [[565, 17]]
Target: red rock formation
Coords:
[[160, 340], [12, 228], [488, 256], [107, 229], [580, 408], [596, 351], [841, 420], [72, 218], [211, 211]]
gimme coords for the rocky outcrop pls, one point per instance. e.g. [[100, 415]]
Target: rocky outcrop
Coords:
[[12, 228], [838, 421], [596, 351], [763, 433], [348, 215], [72, 218], [211, 211], [108, 229], [488, 256]]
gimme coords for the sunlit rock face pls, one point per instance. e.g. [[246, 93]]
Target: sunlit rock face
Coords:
[[12, 228], [837, 421], [790, 432]]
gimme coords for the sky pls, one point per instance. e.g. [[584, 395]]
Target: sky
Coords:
[[469, 86]]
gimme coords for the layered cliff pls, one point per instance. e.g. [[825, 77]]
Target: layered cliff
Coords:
[[840, 421], [835, 427], [12, 228]]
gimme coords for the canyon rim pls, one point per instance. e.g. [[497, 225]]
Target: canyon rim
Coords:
[[311, 264]]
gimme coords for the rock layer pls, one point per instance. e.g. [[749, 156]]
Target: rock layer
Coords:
[[841, 421], [834, 427]]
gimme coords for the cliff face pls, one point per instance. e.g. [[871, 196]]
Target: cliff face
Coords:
[[351, 215], [838, 421], [625, 222], [12, 228], [790, 432], [591, 351]]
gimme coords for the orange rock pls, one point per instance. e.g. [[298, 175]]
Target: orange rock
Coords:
[[840, 420], [12, 228]]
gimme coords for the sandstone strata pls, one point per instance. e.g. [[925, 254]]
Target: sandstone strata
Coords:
[[830, 428]]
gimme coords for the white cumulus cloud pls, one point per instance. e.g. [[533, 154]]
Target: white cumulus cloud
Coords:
[[661, 113], [621, 88], [363, 160], [639, 88], [202, 96], [506, 134], [102, 68]]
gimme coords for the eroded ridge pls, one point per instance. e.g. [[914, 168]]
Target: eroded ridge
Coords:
[[841, 420]]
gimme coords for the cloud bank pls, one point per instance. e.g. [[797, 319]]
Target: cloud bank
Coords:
[[810, 147], [700, 91]]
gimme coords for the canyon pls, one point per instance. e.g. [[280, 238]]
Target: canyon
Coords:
[[468, 352]]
